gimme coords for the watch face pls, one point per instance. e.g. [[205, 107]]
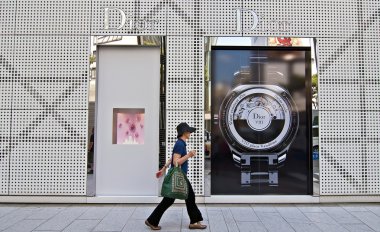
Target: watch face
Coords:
[[259, 118]]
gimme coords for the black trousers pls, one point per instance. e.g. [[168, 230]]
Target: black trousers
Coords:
[[192, 209]]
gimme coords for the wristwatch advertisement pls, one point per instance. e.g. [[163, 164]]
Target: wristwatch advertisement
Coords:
[[260, 124]]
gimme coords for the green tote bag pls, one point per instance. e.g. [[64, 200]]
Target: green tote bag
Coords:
[[175, 184]]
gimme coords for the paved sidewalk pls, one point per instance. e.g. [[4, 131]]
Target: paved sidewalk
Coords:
[[219, 218]]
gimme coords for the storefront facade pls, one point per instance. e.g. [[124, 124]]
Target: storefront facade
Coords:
[[44, 89]]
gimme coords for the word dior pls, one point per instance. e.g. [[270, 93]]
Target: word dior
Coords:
[[140, 24], [259, 23], [258, 116]]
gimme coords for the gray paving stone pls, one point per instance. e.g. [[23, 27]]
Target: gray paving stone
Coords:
[[138, 225], [95, 213], [63, 218], [374, 209], [24, 226], [274, 222], [216, 221], [142, 212], [44, 230], [186, 216], [330, 227], [212, 207], [292, 214], [369, 218], [229, 220], [16, 216], [304, 227], [123, 207], [340, 215], [115, 220], [321, 218], [46, 213], [174, 217], [4, 210], [251, 227], [244, 214], [81, 226], [357, 227], [264, 209], [309, 208], [353, 207]]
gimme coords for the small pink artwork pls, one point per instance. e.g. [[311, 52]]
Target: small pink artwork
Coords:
[[129, 126]]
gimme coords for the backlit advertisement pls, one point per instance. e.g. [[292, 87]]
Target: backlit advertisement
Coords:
[[261, 127]]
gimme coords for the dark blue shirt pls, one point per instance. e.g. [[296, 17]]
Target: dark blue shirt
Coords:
[[180, 148]]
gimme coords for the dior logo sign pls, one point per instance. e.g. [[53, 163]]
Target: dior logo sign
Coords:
[[128, 21], [254, 17], [259, 23]]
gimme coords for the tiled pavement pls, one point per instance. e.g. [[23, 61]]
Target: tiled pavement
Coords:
[[219, 218]]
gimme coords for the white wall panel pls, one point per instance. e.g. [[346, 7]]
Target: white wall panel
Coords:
[[51, 71], [5, 119], [371, 18], [281, 17], [218, 17], [338, 18], [123, 74], [347, 152], [64, 17], [49, 152], [339, 82], [7, 16], [184, 18], [145, 17], [6, 71], [185, 98]]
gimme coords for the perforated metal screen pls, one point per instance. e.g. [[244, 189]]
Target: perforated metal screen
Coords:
[[44, 60]]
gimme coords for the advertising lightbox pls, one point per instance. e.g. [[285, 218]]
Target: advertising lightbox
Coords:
[[261, 111]]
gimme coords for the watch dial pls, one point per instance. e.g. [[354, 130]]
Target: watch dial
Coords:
[[259, 118]]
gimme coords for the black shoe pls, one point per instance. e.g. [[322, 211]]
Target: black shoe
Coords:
[[152, 226], [197, 226]]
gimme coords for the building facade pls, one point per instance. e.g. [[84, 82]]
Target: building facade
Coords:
[[44, 86]]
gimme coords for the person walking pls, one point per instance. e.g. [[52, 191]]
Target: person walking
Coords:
[[180, 156]]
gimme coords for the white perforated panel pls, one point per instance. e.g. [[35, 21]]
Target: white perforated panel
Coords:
[[338, 18], [347, 152], [6, 76], [7, 16], [371, 72], [51, 71], [48, 152], [218, 17], [371, 22], [146, 17], [184, 18], [185, 99], [340, 88], [281, 17], [5, 116], [6, 71], [65, 17], [185, 73]]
